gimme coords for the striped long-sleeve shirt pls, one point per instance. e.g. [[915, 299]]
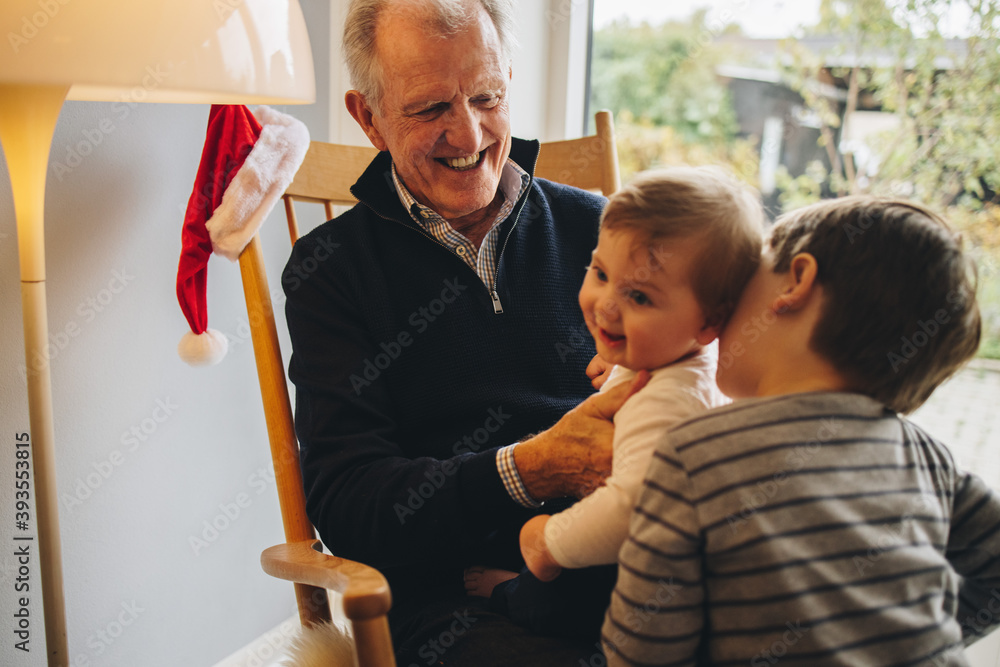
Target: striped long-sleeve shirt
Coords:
[[811, 529]]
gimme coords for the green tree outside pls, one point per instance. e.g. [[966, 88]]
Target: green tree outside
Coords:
[[942, 97], [659, 80]]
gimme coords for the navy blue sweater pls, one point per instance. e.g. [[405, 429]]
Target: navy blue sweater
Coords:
[[407, 379]]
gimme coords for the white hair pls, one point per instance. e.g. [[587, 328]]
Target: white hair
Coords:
[[446, 16]]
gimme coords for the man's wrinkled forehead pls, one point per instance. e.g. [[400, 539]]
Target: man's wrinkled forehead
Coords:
[[413, 70]]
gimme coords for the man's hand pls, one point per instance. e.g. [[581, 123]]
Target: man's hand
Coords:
[[536, 554], [598, 371], [574, 456]]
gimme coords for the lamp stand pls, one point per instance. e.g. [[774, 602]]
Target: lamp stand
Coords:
[[28, 117]]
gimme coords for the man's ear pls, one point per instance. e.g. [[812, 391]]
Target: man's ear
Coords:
[[799, 284], [361, 112]]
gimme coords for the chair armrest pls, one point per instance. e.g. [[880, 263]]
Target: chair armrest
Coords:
[[364, 589]]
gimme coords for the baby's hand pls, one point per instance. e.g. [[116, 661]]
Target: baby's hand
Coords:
[[598, 370], [536, 555]]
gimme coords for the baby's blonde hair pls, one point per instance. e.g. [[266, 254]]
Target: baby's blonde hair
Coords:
[[707, 203]]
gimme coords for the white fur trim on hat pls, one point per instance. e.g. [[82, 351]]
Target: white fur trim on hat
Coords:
[[260, 182]]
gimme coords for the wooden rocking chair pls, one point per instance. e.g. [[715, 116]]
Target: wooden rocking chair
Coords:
[[325, 177]]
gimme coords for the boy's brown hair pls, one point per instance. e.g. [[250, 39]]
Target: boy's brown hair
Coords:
[[900, 313], [707, 203]]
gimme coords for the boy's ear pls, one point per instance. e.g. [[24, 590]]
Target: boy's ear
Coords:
[[800, 280]]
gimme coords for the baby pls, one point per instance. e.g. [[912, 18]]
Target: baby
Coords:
[[676, 248]]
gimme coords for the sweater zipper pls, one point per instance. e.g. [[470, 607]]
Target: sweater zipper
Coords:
[[497, 306]]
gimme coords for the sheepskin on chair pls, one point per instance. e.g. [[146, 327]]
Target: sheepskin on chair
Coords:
[[323, 645]]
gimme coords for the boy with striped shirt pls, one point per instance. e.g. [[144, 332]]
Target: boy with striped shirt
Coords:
[[809, 522]]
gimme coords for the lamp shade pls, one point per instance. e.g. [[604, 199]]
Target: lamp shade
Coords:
[[191, 51]]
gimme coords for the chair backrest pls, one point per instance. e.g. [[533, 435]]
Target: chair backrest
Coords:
[[590, 163], [329, 170], [326, 176]]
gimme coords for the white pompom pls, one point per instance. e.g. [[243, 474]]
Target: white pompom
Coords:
[[324, 645], [204, 349]]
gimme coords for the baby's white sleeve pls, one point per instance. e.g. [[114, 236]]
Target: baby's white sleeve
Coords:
[[591, 531]]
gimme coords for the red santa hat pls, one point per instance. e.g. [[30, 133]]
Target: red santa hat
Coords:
[[246, 165]]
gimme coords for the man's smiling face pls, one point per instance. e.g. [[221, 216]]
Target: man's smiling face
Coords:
[[443, 115]]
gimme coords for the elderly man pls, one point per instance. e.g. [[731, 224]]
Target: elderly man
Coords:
[[434, 328]]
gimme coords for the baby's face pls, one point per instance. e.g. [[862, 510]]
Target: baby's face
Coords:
[[638, 303]]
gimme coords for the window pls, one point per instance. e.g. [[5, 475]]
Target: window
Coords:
[[818, 98], [807, 99]]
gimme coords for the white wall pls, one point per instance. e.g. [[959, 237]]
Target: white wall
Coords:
[[131, 502], [137, 591]]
